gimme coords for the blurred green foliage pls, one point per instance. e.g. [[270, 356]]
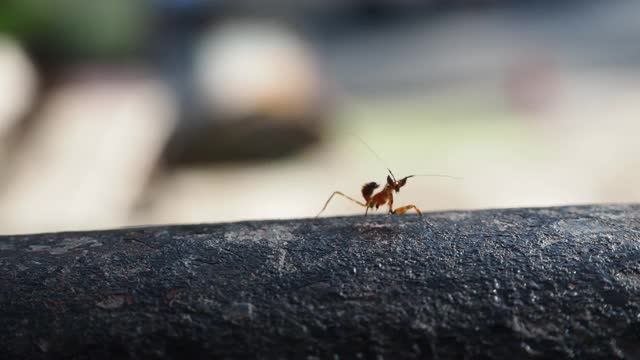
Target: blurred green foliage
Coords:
[[72, 28]]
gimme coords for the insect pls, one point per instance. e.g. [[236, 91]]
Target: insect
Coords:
[[384, 196]]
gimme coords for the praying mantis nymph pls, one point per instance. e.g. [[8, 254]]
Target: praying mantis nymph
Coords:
[[384, 196]]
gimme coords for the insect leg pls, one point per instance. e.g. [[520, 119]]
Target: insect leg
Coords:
[[339, 193], [404, 209]]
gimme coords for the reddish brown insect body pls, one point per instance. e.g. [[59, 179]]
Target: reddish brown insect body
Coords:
[[384, 196]]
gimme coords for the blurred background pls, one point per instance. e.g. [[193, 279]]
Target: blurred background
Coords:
[[121, 113]]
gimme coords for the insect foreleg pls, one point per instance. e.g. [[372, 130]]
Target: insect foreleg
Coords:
[[404, 209]]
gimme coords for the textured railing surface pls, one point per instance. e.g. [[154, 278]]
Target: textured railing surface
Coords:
[[514, 283]]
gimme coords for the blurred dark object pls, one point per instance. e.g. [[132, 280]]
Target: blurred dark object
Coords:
[[249, 87], [253, 138]]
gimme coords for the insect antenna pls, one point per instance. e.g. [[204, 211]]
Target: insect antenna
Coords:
[[438, 175], [376, 154], [392, 176], [391, 172]]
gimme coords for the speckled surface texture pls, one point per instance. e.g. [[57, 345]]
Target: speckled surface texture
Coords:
[[516, 283]]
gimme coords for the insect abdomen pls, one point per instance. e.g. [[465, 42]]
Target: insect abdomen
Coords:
[[367, 190]]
